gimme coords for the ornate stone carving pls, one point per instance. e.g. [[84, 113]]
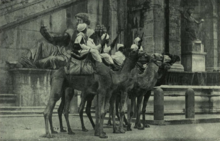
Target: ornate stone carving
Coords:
[[191, 26]]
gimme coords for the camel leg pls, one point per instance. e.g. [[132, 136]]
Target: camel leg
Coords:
[[146, 98], [130, 113], [81, 107], [97, 116], [117, 112], [114, 107], [51, 122], [122, 111], [55, 94], [68, 97], [88, 109], [104, 99], [60, 112], [139, 104], [110, 112], [117, 99]]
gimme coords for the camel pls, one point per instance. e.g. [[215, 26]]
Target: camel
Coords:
[[105, 80], [141, 85], [137, 81]]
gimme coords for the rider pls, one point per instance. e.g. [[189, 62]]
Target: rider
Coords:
[[106, 50], [137, 45], [80, 45], [91, 43], [55, 52], [119, 57]]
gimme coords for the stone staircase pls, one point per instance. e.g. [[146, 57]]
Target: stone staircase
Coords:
[[20, 11], [7, 100], [9, 106]]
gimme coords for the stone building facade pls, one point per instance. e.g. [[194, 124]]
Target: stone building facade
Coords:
[[159, 21]]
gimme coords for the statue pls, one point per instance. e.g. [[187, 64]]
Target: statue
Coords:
[[55, 52], [192, 26]]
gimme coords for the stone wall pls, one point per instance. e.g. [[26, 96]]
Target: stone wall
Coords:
[[18, 39], [145, 16], [20, 22]]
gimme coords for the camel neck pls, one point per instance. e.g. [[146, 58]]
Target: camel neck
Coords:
[[128, 65], [151, 70]]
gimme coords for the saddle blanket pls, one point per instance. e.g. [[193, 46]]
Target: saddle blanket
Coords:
[[79, 67]]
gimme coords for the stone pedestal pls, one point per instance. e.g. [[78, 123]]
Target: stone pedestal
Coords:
[[193, 57], [177, 67], [32, 88]]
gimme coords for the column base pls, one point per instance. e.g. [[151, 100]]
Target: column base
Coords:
[[158, 122], [211, 69], [177, 67]]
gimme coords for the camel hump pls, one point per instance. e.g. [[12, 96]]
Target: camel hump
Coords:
[[78, 67]]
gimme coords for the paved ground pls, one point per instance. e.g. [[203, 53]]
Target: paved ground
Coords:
[[31, 128]]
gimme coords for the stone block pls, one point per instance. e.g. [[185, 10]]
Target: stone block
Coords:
[[92, 7], [209, 60], [215, 103], [11, 54], [194, 62], [32, 86], [174, 103], [195, 46], [8, 38], [3, 20], [149, 48], [93, 20], [6, 81]]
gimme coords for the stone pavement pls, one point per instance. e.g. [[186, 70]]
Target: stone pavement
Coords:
[[32, 128]]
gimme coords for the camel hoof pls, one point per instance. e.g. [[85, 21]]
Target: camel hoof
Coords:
[[147, 126], [62, 130], [116, 130], [122, 130], [135, 126], [54, 132], [140, 128], [129, 127], [71, 133], [103, 135], [48, 135], [109, 124], [85, 130], [96, 134]]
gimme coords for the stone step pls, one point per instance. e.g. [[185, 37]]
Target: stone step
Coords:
[[8, 99], [16, 110]]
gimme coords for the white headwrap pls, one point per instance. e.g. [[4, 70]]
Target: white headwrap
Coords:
[[90, 32], [103, 36], [119, 45], [166, 59], [136, 40], [81, 27]]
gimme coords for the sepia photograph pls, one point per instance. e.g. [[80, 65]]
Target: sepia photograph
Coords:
[[113, 70]]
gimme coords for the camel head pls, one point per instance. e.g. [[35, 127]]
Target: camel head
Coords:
[[169, 60], [135, 55], [161, 60]]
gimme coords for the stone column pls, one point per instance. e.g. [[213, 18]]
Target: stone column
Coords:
[[174, 32], [159, 25], [113, 20], [212, 49], [148, 41], [218, 8]]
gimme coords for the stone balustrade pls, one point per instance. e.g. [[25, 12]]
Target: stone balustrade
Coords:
[[193, 100]]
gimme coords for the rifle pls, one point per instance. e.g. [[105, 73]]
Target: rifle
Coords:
[[116, 38], [139, 46], [103, 41]]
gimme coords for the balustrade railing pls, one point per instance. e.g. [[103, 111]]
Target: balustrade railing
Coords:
[[192, 78]]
